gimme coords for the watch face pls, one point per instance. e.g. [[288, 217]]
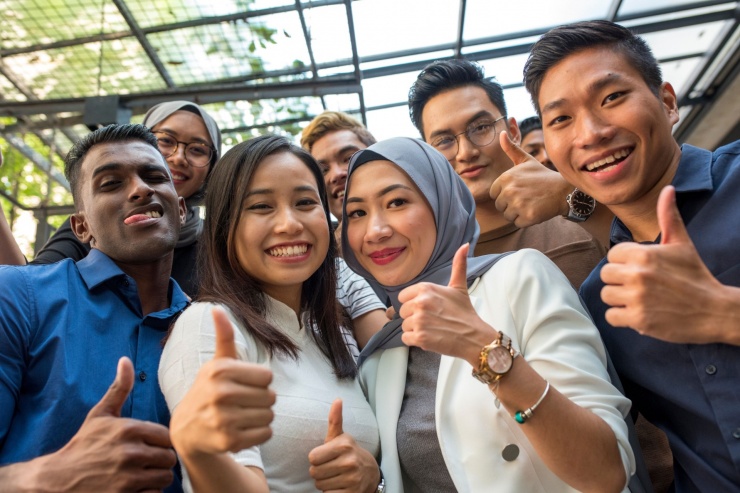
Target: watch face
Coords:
[[582, 204], [499, 360]]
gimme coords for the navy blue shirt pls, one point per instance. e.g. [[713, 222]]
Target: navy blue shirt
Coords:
[[63, 328], [690, 391]]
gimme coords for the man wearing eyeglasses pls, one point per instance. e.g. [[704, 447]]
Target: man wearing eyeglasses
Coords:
[[462, 114]]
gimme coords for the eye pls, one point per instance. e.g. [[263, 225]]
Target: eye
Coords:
[[109, 183], [198, 150], [397, 202], [480, 128], [259, 207], [306, 202], [324, 167], [166, 140], [613, 96], [356, 213], [443, 141], [558, 119]]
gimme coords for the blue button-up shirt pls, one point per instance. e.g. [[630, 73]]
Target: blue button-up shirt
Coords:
[[63, 328], [690, 391]]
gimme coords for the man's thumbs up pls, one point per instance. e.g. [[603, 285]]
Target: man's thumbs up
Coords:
[[225, 347], [335, 421], [512, 149], [672, 228], [110, 404]]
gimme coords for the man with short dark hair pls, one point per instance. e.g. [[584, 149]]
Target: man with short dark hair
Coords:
[[463, 115], [63, 327], [673, 275], [533, 141]]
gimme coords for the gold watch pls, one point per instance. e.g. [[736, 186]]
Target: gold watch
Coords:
[[495, 360]]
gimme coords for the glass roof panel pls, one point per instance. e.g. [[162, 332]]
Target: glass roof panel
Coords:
[[391, 122], [76, 71], [684, 40], [9, 91], [507, 70], [349, 103], [638, 6], [172, 11], [390, 89], [386, 26], [484, 18], [329, 32], [679, 72], [32, 22], [231, 50], [518, 103]]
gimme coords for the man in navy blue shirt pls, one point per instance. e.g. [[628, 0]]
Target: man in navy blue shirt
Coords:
[[667, 302], [64, 326]]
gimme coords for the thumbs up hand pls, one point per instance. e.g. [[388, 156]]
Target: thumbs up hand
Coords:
[[665, 290], [341, 464], [228, 408], [92, 460], [528, 193], [442, 318]]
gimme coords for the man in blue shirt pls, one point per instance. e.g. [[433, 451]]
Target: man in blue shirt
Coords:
[[64, 326], [667, 302]]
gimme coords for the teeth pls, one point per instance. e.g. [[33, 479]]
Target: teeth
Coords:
[[178, 176], [289, 251], [340, 194], [153, 214], [608, 159]]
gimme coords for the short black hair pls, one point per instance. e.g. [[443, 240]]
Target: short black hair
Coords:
[[566, 40], [529, 124], [104, 135], [444, 75]]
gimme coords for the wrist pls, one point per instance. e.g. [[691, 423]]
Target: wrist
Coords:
[[727, 316]]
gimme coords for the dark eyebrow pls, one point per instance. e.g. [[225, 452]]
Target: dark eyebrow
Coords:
[[267, 191], [175, 134], [384, 191], [118, 166], [593, 87], [473, 118]]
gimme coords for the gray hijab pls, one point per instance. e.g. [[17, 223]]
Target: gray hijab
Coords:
[[193, 226], [454, 215]]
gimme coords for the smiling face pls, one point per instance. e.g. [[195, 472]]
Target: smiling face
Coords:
[[607, 132], [282, 236], [127, 205], [333, 152], [453, 112], [390, 226], [185, 126]]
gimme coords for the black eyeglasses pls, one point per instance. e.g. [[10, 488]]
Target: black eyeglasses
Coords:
[[197, 154], [480, 133]]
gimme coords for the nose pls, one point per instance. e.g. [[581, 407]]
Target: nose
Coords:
[[592, 130], [466, 150], [378, 228], [140, 189], [287, 222], [545, 158], [178, 157], [337, 173]]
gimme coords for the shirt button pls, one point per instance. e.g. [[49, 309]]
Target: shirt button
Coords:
[[510, 452], [710, 369], [736, 433], [142, 376]]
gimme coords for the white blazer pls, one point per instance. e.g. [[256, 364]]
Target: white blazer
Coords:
[[527, 297]]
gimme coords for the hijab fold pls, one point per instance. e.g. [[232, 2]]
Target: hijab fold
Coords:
[[453, 208]]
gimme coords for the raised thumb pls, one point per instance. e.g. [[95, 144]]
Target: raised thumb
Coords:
[[225, 347], [672, 228], [335, 421], [459, 273], [515, 153], [110, 404]]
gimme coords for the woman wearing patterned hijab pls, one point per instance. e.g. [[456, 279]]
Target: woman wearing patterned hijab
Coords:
[[545, 417]]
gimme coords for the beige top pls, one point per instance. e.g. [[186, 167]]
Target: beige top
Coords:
[[568, 245]]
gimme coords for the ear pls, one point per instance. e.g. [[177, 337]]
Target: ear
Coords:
[[81, 229], [513, 129], [670, 102], [183, 210]]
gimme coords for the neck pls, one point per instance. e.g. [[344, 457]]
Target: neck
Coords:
[[152, 282], [488, 217], [288, 295], [641, 216]]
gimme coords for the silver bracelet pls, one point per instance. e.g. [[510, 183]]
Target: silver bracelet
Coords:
[[522, 416]]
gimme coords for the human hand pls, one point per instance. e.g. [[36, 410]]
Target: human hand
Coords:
[[529, 193], [442, 318], [110, 453], [340, 464], [228, 408], [664, 291]]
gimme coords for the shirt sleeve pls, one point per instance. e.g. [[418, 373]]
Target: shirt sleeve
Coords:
[[191, 344], [354, 293], [62, 244], [16, 322]]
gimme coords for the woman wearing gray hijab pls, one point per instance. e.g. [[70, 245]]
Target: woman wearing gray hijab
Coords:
[[190, 141], [538, 413]]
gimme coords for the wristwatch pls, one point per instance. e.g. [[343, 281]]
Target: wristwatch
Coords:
[[580, 206], [381, 485], [495, 360]]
